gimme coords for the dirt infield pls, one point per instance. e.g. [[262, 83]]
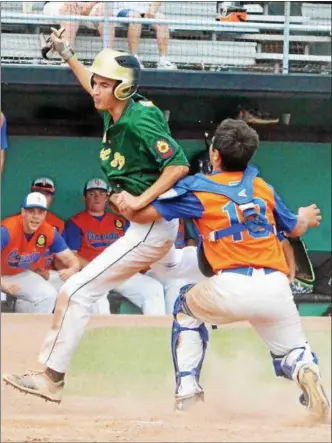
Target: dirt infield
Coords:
[[243, 414]]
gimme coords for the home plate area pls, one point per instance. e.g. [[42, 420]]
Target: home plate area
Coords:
[[236, 409]]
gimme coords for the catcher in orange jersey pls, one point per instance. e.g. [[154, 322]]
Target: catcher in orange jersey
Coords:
[[238, 216]]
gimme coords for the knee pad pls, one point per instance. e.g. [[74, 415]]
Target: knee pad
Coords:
[[288, 365], [177, 329], [180, 304]]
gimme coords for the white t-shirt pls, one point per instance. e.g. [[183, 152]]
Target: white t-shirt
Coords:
[[140, 7]]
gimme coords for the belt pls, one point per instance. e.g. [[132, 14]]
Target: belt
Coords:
[[248, 270]]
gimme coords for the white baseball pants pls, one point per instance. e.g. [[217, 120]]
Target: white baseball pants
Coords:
[[177, 269], [265, 301], [36, 295], [141, 246]]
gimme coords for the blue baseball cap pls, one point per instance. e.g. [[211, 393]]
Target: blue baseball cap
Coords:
[[35, 200]]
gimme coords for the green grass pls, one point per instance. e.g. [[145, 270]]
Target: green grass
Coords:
[[115, 361]]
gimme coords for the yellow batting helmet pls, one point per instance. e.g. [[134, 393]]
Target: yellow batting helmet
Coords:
[[119, 66]]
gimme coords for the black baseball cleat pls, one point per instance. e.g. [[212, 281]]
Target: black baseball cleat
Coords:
[[184, 403]]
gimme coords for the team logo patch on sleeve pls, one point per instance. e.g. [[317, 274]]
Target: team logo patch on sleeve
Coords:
[[118, 224], [164, 149], [41, 241]]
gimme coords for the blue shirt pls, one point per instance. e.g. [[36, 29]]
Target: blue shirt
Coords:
[[4, 144], [73, 236], [188, 205], [57, 246]]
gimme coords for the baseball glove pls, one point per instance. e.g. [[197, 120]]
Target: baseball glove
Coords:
[[55, 42]]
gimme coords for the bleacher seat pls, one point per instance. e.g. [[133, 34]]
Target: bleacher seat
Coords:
[[317, 11], [180, 51], [220, 46]]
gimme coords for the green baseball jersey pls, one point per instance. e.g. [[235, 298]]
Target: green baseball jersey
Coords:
[[138, 147]]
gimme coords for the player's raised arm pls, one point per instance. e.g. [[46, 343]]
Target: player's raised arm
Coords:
[[57, 43]]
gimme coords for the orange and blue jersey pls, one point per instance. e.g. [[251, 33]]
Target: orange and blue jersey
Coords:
[[20, 251], [226, 240], [89, 235], [46, 261], [180, 241]]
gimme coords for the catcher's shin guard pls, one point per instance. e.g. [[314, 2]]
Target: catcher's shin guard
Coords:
[[288, 365], [189, 342]]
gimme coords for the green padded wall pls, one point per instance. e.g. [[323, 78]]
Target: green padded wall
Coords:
[[300, 172]]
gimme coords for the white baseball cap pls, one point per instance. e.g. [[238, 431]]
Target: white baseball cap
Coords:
[[95, 183], [35, 200]]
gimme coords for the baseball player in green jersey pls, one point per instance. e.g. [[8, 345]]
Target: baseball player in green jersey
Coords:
[[138, 155]]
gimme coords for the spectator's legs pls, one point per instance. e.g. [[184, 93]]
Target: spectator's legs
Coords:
[[134, 33], [162, 34], [98, 11], [71, 28]]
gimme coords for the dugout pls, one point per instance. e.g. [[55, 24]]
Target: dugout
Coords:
[[54, 130]]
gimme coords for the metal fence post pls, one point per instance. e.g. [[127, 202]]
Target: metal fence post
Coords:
[[285, 58], [106, 25]]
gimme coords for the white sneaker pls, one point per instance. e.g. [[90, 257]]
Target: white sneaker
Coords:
[[166, 64], [314, 394]]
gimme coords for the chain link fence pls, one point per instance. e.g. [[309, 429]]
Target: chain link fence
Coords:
[[215, 36]]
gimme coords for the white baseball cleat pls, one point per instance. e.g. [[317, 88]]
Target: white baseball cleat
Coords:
[[314, 396], [183, 403], [36, 383]]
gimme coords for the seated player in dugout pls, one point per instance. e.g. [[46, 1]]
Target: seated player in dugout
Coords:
[[238, 216], [25, 238], [49, 267], [91, 231]]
